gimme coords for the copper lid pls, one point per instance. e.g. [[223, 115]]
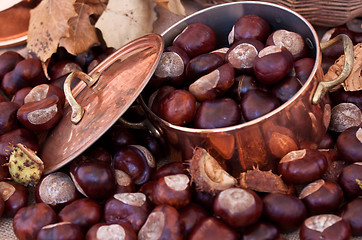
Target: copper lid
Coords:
[[123, 76]]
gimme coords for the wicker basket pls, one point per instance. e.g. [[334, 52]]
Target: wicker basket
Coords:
[[327, 13]]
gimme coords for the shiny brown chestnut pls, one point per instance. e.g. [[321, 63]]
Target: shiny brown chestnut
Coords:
[[133, 207], [286, 88], [170, 168], [340, 96], [28, 221], [59, 231], [238, 207], [262, 231], [327, 142], [287, 212], [157, 96], [213, 84], [272, 64], [41, 115], [190, 216], [350, 179], [15, 197], [249, 26], [325, 226], [178, 107], [196, 39], [213, 229], [8, 61], [302, 166], [42, 91], [172, 190], [202, 65], [343, 116], [349, 144], [116, 137], [242, 54], [136, 161], [124, 182], [99, 153], [63, 68], [303, 68], [94, 179], [83, 212], [121, 231], [256, 103], [292, 41], [217, 113], [8, 119], [57, 190], [321, 197], [19, 96], [244, 83], [352, 214], [162, 223], [147, 189]]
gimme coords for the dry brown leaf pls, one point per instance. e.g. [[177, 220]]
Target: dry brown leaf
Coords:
[[354, 80], [48, 24], [174, 6], [97, 6], [82, 32], [125, 20]]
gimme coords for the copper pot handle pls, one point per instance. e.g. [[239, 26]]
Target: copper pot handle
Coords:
[[77, 109], [324, 86]]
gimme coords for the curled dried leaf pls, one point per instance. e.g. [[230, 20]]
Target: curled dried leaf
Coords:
[[354, 80]]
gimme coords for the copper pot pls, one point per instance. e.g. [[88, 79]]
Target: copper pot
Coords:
[[299, 123]]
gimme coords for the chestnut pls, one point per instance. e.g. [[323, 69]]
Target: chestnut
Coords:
[[102, 56], [213, 84], [93, 179], [162, 223], [292, 41], [42, 91], [262, 231], [121, 231], [244, 83], [327, 142], [249, 26], [133, 207], [202, 65], [124, 182], [59, 231], [147, 189], [41, 115], [303, 68], [15, 197], [340, 96], [190, 216], [256, 103], [287, 212], [350, 179], [196, 39], [117, 137], [136, 161], [272, 64], [63, 68], [178, 107], [217, 113], [302, 166], [28, 221], [170, 168], [8, 61], [157, 96], [99, 153], [238, 207], [325, 226], [172, 190], [212, 228], [83, 212], [352, 214], [57, 190], [349, 144], [321, 197], [286, 88], [19, 96], [8, 119], [242, 54], [343, 116]]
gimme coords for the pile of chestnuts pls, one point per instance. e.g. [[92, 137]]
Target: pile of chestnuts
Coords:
[[121, 187]]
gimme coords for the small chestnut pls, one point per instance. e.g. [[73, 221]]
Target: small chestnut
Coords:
[[8, 119], [352, 214], [351, 179], [238, 207], [212, 228], [170, 168], [172, 190], [15, 197], [262, 231], [133, 207], [156, 97], [325, 226], [83, 212], [28, 221], [162, 223], [63, 68], [286, 88], [60, 231], [196, 39], [343, 116], [321, 197], [302, 166], [121, 231], [8, 61], [287, 212], [202, 65], [42, 91], [19, 96], [303, 68], [124, 182], [190, 216], [349, 144]]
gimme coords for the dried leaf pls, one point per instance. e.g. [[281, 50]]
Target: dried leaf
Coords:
[[97, 6], [354, 81], [48, 24], [124, 21], [174, 6], [82, 33]]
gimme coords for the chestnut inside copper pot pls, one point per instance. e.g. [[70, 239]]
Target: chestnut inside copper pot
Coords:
[[299, 123]]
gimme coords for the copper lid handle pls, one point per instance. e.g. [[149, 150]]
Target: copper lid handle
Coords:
[[78, 110], [324, 87]]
